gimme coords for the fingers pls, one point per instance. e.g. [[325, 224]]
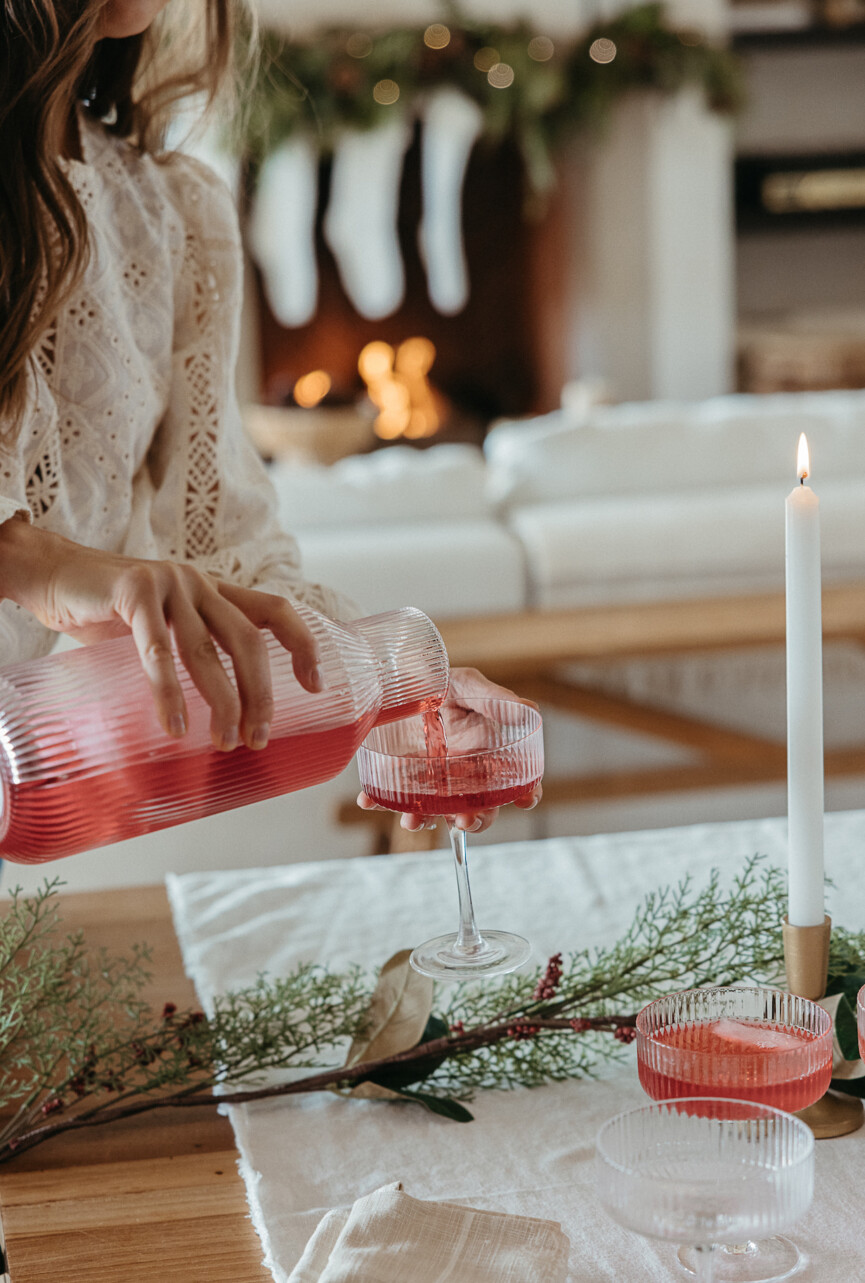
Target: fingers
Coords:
[[266, 610], [153, 642], [158, 599], [476, 821], [200, 657], [530, 800]]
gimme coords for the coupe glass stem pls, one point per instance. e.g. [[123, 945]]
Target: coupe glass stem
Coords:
[[469, 940], [704, 1259]]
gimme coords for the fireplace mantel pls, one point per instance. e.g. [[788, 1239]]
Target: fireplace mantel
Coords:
[[650, 252]]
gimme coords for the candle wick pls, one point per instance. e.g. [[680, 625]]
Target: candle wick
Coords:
[[802, 478]]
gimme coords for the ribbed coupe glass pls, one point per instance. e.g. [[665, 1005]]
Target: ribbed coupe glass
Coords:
[[755, 1044], [860, 1019], [459, 761], [84, 760], [704, 1170], [748, 1043]]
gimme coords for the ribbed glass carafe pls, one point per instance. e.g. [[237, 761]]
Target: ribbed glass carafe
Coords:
[[84, 761]]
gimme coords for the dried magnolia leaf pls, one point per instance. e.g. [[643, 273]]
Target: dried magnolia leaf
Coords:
[[398, 1013]]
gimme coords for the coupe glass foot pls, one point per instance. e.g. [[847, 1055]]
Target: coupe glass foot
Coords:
[[768, 1261], [497, 953]]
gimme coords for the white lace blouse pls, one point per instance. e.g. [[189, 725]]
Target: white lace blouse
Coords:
[[132, 441]]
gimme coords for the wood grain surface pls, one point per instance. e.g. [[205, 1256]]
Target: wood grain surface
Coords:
[[153, 1199]]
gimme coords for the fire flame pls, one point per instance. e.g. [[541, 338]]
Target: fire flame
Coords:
[[803, 459], [311, 388], [397, 384]]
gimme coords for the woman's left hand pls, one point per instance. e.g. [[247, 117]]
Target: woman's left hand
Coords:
[[467, 685]]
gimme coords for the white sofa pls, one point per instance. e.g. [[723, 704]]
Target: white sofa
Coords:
[[620, 503], [589, 504]]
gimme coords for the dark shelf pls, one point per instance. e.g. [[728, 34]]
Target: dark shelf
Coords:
[[753, 215], [814, 37]]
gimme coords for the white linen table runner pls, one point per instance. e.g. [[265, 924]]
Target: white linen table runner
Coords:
[[527, 1152]]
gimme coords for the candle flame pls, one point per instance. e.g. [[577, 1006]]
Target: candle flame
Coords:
[[803, 459]]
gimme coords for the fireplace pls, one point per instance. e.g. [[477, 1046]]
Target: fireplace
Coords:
[[484, 362]]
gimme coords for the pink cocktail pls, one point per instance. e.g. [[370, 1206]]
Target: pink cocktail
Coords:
[[746, 1044], [462, 760]]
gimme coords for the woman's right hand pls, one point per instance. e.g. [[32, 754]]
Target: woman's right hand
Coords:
[[93, 595]]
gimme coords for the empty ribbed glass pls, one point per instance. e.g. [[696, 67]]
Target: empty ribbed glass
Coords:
[[860, 1017], [84, 761], [705, 1171], [748, 1043]]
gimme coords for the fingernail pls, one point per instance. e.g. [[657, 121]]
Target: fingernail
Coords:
[[229, 739], [260, 736], [475, 825], [316, 680], [177, 724]]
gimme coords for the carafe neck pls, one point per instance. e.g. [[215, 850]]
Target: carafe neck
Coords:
[[413, 662]]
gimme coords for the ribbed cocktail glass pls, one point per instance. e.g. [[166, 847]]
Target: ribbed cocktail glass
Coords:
[[703, 1171], [491, 753]]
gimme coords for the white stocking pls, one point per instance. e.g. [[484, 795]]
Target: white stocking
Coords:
[[451, 125], [282, 230], [360, 224]]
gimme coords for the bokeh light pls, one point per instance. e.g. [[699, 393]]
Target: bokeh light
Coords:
[[386, 93], [602, 50], [312, 388], [486, 58], [541, 48], [358, 45], [501, 75], [375, 361], [437, 36], [415, 357]]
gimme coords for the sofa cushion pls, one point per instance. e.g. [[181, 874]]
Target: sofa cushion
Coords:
[[646, 447], [447, 568], [655, 546], [399, 484]]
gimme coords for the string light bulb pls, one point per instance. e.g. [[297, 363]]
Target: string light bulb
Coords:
[[437, 36], [602, 50], [501, 75], [358, 45], [486, 58], [386, 93], [541, 48]]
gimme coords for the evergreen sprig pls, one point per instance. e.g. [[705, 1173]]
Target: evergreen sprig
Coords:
[[79, 1047]]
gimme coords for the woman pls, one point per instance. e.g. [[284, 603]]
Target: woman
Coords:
[[130, 499]]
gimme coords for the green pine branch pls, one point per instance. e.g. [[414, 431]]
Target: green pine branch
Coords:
[[79, 1047]]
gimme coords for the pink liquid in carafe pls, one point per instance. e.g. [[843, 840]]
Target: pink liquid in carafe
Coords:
[[84, 762], [55, 817]]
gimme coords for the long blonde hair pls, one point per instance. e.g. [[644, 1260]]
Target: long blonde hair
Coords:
[[50, 58]]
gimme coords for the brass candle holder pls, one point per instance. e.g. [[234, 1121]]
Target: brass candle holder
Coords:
[[806, 961]]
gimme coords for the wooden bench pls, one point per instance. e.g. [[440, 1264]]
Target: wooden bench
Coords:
[[528, 651]]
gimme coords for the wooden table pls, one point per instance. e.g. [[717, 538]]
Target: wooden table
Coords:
[[143, 1201]]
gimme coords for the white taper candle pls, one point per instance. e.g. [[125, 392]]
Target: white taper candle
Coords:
[[804, 702]]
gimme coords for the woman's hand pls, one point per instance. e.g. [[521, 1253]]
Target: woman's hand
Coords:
[[93, 595], [466, 686]]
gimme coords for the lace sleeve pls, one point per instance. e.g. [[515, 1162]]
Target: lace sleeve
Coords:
[[27, 465], [212, 502]]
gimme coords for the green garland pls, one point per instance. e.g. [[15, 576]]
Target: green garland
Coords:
[[78, 1047], [330, 84]]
